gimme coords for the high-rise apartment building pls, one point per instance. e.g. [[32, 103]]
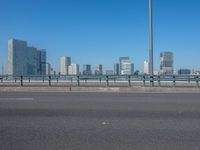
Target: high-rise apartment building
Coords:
[[99, 69], [48, 69], [65, 62], [116, 69], [41, 62], [23, 59], [166, 63], [125, 66], [73, 69], [146, 67], [87, 69]]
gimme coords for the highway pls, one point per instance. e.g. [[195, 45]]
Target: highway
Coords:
[[99, 121]]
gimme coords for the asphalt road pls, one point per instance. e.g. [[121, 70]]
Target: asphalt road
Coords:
[[99, 121]]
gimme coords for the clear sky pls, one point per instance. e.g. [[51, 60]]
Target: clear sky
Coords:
[[100, 31]]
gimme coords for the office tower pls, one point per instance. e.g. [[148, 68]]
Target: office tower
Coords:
[[166, 63], [48, 69], [146, 67], [125, 66], [87, 69], [64, 64], [73, 69], [41, 62], [99, 69], [24, 59], [116, 69]]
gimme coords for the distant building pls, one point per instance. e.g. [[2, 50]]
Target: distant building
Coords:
[[73, 69], [65, 62], [53, 72], [41, 62], [109, 72], [99, 69], [184, 71], [166, 63], [146, 67], [48, 69], [125, 66], [24, 59], [87, 69], [116, 69]]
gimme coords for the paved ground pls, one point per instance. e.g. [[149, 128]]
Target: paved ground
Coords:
[[99, 121]]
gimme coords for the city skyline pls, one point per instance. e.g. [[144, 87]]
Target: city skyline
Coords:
[[92, 31]]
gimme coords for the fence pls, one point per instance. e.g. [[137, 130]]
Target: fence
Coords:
[[103, 80]]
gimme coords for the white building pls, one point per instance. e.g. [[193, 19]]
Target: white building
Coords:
[[146, 67], [65, 62], [125, 66], [99, 69], [48, 69], [73, 69]]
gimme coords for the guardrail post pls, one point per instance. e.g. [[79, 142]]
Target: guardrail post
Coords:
[[151, 81], [100, 80], [159, 81], [49, 80], [78, 83], [197, 81], [15, 79], [29, 79], [43, 79], [129, 81], [2, 79], [21, 79], [57, 79], [107, 81], [174, 81], [144, 81], [114, 80]]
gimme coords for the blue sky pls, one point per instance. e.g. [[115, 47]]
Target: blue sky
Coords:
[[100, 31]]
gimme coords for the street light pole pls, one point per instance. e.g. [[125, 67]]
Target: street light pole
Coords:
[[151, 41]]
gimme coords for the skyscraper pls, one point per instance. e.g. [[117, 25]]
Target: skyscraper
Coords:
[[146, 67], [166, 63], [116, 69], [65, 62], [41, 62], [125, 66], [99, 69], [48, 69], [73, 69], [87, 69], [23, 59]]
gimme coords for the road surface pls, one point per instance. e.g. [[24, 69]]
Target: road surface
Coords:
[[99, 121]]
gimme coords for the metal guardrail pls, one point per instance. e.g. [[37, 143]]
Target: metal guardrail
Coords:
[[101, 80]]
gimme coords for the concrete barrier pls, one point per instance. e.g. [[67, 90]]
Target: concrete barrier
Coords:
[[103, 89]]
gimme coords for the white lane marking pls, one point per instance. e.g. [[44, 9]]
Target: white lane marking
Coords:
[[105, 123], [18, 99]]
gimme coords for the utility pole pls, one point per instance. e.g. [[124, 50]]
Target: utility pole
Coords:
[[151, 42]]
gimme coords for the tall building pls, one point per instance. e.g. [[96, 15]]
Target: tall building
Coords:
[[99, 69], [116, 69], [146, 67], [65, 62], [73, 69], [48, 69], [41, 62], [125, 66], [87, 69], [23, 59], [166, 63]]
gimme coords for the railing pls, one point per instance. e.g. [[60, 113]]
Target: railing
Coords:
[[102, 80]]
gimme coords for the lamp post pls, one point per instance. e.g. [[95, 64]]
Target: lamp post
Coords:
[[151, 42]]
